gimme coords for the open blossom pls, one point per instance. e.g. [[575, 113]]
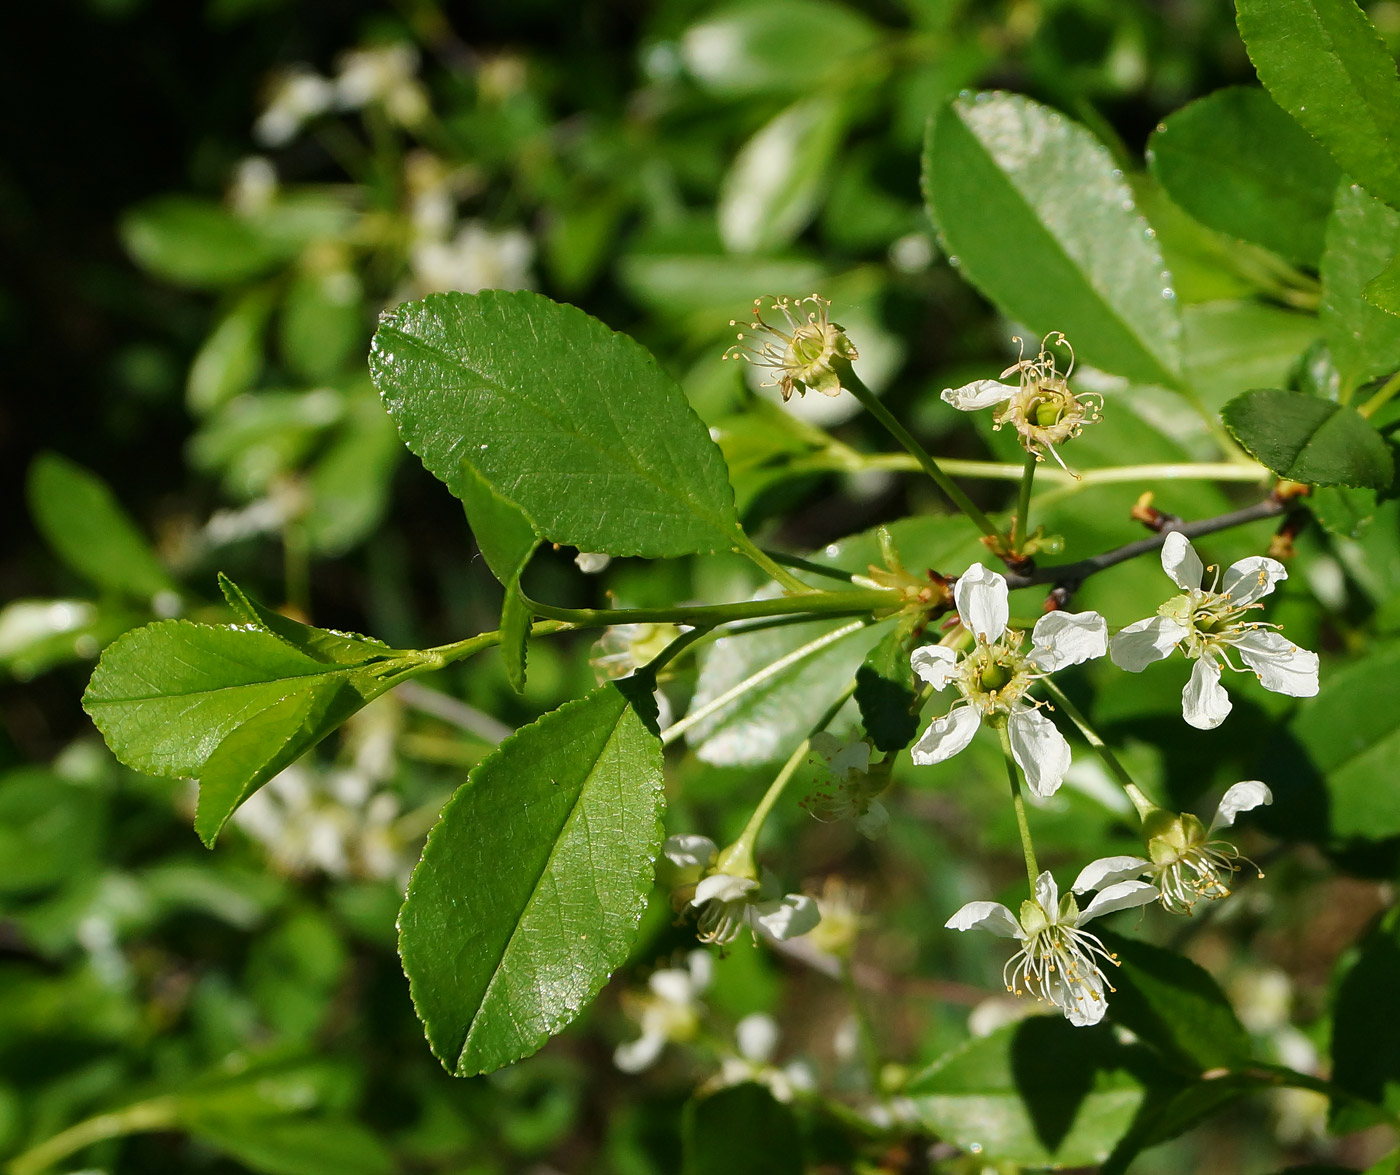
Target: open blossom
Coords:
[[296, 96], [1040, 406], [1059, 961], [1207, 624], [803, 352], [993, 678], [667, 1012], [727, 902], [1184, 861]]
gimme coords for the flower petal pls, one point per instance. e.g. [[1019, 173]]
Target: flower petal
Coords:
[[1047, 893], [1280, 664], [672, 984], [688, 850], [635, 1055], [1140, 644], [1119, 897], [1243, 796], [1067, 638], [723, 887], [935, 664], [980, 393], [1040, 749], [1108, 870], [757, 1037], [1082, 1001], [787, 917], [946, 736], [981, 597], [991, 916], [1204, 702], [1252, 578], [1180, 561]]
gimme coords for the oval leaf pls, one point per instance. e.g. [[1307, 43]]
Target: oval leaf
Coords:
[[196, 242], [1306, 439], [1324, 63], [1041, 221], [1240, 165], [533, 882], [1363, 236], [575, 425]]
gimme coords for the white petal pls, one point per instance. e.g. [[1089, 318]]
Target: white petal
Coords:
[[981, 597], [757, 1037], [1107, 870], [935, 664], [1082, 1001], [672, 984], [1067, 638], [946, 736], [1119, 897], [1204, 702], [980, 393], [1040, 750], [1047, 893], [723, 887], [1242, 797], [1249, 579], [1281, 665], [991, 916], [687, 850], [787, 917], [1140, 644], [701, 965], [1180, 561], [639, 1054]]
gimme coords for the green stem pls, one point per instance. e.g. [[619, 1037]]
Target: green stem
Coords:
[[1021, 524], [865, 1031], [1018, 802], [157, 1114], [815, 603], [1110, 760], [852, 383], [443, 655], [296, 566], [840, 457], [745, 546], [1385, 392]]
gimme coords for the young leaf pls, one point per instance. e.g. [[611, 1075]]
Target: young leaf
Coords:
[[773, 188], [1324, 62], [515, 634], [1363, 236], [504, 533], [533, 882], [1036, 215], [576, 426], [85, 525], [1240, 165], [195, 242], [886, 691], [231, 356], [322, 644], [1383, 290], [1175, 1006], [1306, 439], [741, 1130], [321, 323]]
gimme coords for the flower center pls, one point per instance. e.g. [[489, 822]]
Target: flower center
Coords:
[[808, 346], [993, 677]]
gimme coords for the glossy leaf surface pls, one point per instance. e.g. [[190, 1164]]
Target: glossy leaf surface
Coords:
[[1310, 440]]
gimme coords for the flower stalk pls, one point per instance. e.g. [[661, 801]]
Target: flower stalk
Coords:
[[1018, 803]]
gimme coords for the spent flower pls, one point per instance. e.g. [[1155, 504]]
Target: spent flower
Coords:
[[1040, 406], [1208, 624], [805, 350], [726, 891], [1059, 962], [849, 784], [994, 676]]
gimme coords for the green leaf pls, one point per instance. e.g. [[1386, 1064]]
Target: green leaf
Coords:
[[779, 46], [1342, 511], [576, 426], [80, 518], [774, 186], [50, 829], [254, 438], [351, 480], [1240, 165], [1383, 290], [886, 692], [230, 358], [1306, 439], [1365, 1044], [1037, 1093], [1234, 346], [1324, 63], [741, 1130], [1175, 1006], [195, 242], [533, 882], [1039, 218], [298, 1146], [504, 533], [1363, 236], [320, 326], [36, 635], [322, 644], [516, 619]]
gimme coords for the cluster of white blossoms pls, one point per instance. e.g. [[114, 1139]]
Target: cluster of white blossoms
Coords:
[[728, 895], [667, 1012]]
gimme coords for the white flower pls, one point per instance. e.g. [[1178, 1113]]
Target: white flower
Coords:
[[993, 677], [477, 258], [668, 1011], [801, 356], [384, 74], [1206, 624], [1058, 961], [624, 648], [850, 785], [297, 96], [756, 1039], [1186, 863], [591, 562], [728, 901], [1040, 406]]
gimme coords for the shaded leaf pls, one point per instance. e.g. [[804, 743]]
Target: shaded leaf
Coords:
[[886, 692], [1363, 236], [298, 1146], [741, 1130], [1306, 439], [1366, 1046]]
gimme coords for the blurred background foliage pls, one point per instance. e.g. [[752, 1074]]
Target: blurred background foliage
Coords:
[[203, 207]]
